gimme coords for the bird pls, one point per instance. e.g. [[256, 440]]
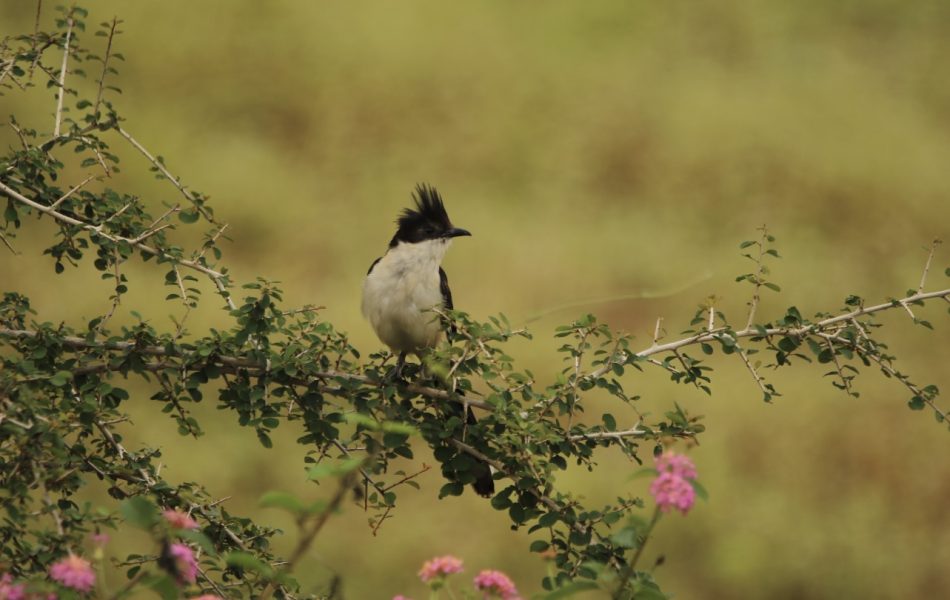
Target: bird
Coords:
[[403, 286]]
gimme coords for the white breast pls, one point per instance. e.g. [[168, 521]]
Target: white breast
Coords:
[[399, 293]]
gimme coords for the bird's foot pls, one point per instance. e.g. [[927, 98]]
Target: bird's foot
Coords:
[[395, 374]]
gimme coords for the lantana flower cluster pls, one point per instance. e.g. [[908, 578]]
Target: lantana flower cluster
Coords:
[[76, 574], [672, 487], [487, 584]]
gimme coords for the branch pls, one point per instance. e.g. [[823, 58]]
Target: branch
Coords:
[[62, 78], [923, 277], [105, 68], [634, 431], [161, 168], [346, 484], [707, 336], [216, 277], [235, 363], [883, 364]]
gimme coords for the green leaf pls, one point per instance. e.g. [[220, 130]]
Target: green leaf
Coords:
[[399, 428], [248, 562], [626, 537], [283, 500], [451, 489], [539, 546], [139, 512], [61, 378], [326, 469], [198, 538], [188, 216], [701, 492], [571, 589], [164, 586], [361, 419], [500, 501]]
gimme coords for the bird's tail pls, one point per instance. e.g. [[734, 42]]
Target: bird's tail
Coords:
[[484, 484]]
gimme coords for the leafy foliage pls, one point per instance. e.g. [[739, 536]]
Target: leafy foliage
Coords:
[[64, 387]]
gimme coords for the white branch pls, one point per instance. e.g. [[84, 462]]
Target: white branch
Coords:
[[62, 79]]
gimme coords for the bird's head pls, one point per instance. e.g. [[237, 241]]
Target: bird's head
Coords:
[[427, 221]]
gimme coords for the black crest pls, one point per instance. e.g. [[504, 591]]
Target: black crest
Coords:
[[428, 220]]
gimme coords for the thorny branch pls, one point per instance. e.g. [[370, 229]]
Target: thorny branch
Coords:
[[62, 78]]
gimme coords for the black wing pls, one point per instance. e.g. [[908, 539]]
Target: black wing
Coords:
[[373, 265], [444, 286]]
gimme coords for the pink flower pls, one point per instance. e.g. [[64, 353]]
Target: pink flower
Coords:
[[179, 520], [186, 567], [401, 597], [496, 583], [99, 539], [678, 464], [74, 572], [672, 491], [439, 567], [10, 590]]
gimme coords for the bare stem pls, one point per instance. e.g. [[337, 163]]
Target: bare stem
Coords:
[[62, 78], [309, 534], [161, 169], [105, 68], [923, 277], [630, 567]]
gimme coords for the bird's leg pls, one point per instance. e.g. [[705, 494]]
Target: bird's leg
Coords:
[[396, 372]]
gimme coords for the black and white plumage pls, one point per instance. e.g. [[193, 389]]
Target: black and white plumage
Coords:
[[404, 285]]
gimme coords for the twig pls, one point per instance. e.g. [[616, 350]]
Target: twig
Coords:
[[306, 539], [845, 381], [424, 468], [181, 286], [686, 368], [909, 311], [19, 133], [753, 306], [62, 78], [71, 191], [923, 277], [161, 168], [123, 453], [755, 374], [36, 33], [211, 582], [117, 298], [105, 67], [656, 330], [634, 431], [366, 477], [873, 355], [152, 230], [54, 512], [6, 243], [216, 277], [629, 568], [379, 523], [796, 331]]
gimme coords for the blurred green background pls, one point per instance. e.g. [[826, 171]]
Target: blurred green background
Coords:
[[612, 150]]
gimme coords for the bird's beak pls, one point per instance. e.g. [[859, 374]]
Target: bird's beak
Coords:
[[456, 232]]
